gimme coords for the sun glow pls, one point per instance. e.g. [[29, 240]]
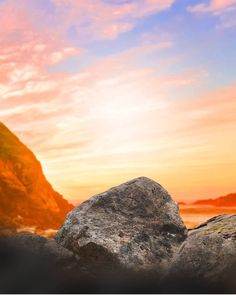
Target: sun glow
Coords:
[[105, 91]]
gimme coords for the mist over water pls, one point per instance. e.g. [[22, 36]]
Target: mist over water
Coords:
[[193, 215]]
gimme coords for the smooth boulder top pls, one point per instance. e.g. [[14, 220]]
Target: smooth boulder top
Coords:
[[209, 253], [135, 225]]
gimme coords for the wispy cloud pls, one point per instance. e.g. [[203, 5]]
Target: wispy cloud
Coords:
[[111, 111], [124, 110], [214, 6], [106, 19], [225, 10]]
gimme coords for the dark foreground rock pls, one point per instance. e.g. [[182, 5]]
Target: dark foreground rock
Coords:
[[204, 264], [206, 261], [34, 264], [134, 226], [26, 269], [47, 249]]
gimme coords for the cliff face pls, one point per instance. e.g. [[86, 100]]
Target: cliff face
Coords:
[[26, 197]]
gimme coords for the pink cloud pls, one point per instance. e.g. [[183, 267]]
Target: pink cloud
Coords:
[[27, 43], [113, 85], [103, 116], [14, 19], [224, 9], [214, 6], [106, 20]]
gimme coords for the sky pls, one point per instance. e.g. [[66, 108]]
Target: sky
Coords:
[[104, 91]]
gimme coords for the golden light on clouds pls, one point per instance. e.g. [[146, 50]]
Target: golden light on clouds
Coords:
[[106, 91]]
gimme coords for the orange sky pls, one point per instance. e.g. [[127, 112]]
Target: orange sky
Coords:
[[105, 91]]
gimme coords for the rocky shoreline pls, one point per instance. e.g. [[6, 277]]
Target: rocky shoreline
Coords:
[[130, 239]]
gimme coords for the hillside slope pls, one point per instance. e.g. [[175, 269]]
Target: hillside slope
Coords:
[[26, 197]]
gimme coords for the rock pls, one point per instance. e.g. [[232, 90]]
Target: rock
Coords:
[[31, 264], [135, 226], [4, 232], [47, 249], [208, 256]]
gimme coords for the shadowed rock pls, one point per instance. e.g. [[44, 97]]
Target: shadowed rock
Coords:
[[208, 256], [47, 249], [34, 264], [135, 225]]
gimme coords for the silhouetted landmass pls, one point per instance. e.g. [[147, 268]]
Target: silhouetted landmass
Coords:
[[182, 203], [225, 201]]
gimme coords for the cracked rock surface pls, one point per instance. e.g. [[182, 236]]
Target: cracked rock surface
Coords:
[[135, 226]]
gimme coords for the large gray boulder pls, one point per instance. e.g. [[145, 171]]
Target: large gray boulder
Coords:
[[208, 256], [135, 226]]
